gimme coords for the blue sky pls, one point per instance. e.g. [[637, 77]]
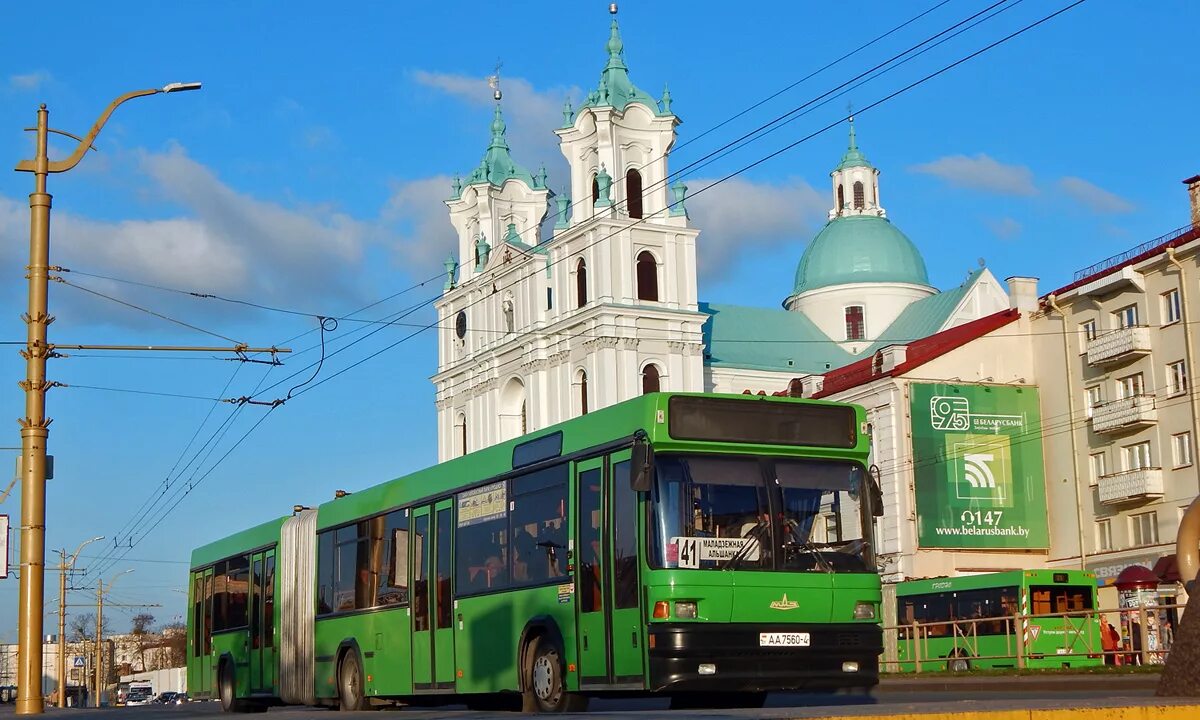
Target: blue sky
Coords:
[[308, 174]]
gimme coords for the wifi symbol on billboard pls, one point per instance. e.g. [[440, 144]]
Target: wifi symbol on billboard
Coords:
[[978, 471]]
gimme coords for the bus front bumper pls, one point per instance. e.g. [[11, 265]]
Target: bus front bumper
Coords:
[[731, 658]]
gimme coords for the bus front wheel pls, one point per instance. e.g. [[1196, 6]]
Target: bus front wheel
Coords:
[[545, 681], [227, 688]]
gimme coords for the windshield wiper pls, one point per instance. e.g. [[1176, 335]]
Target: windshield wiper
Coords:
[[811, 549], [751, 539]]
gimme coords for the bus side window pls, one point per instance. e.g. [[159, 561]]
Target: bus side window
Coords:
[[325, 572], [625, 517], [591, 560], [420, 584]]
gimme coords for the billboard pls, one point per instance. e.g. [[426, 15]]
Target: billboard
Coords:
[[977, 466]]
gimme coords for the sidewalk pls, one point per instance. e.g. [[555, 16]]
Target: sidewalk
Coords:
[[1106, 684]]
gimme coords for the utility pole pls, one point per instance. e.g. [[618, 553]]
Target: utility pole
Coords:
[[99, 637], [35, 426], [63, 566]]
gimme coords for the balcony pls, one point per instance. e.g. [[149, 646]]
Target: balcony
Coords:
[[1119, 345], [1129, 413], [1130, 485]]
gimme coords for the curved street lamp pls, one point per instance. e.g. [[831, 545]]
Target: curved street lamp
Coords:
[[35, 426], [63, 566]]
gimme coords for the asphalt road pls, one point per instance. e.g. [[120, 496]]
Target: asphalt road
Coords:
[[1090, 693]]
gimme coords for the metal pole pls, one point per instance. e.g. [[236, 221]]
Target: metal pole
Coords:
[[99, 637], [62, 628], [34, 431]]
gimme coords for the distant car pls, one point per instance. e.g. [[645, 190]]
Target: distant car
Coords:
[[166, 698], [139, 695], [179, 699]]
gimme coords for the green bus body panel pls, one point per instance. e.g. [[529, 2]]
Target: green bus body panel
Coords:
[[481, 649], [1056, 643]]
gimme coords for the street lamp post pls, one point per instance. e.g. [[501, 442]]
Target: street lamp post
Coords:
[[35, 425], [100, 631], [63, 566]]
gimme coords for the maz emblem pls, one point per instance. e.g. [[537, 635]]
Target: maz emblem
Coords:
[[784, 604]]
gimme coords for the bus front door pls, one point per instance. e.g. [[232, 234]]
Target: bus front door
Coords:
[[262, 621], [433, 600], [611, 627]]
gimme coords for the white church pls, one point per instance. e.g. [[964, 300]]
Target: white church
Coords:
[[536, 332]]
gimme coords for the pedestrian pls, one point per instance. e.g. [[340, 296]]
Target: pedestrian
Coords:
[[1135, 632], [1109, 642]]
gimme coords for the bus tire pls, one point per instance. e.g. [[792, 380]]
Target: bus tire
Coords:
[[227, 689], [350, 683], [958, 662], [545, 680]]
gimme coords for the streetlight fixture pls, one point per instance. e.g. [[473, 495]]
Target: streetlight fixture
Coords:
[[63, 566], [35, 426], [100, 630]]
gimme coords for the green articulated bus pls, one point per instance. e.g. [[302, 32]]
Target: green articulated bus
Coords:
[[985, 621], [712, 548]]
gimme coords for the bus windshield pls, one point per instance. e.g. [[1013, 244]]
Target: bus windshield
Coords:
[[726, 512]]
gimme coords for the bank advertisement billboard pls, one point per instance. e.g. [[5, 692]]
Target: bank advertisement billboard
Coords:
[[977, 462]]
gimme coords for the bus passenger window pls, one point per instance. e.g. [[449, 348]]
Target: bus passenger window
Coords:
[[538, 526], [591, 560], [625, 555], [420, 608], [444, 601], [325, 572]]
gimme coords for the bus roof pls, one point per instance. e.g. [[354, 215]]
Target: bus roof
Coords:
[[258, 536], [1007, 578]]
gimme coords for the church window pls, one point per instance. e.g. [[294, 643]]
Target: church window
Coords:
[[595, 189], [581, 295], [524, 419], [549, 298], [582, 383], [860, 197], [650, 379], [508, 316], [633, 193], [461, 427], [841, 198], [855, 327], [647, 276]]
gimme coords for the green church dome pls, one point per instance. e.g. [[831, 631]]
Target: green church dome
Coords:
[[859, 249]]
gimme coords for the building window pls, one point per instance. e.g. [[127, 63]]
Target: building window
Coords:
[[1087, 333], [595, 189], [1126, 317], [549, 298], [1143, 528], [841, 197], [1091, 400], [460, 425], [1171, 309], [647, 276], [1181, 449], [1136, 457], [580, 283], [1098, 468], [1177, 381], [633, 193], [860, 197], [1104, 535], [1130, 386], [583, 393], [650, 379], [855, 326]]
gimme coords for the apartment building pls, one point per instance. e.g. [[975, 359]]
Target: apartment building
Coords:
[[1115, 354]]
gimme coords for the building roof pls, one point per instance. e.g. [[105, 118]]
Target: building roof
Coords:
[[616, 90], [497, 165], [1141, 253], [918, 352], [853, 156], [856, 249], [927, 315]]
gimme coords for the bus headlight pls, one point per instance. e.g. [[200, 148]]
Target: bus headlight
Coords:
[[864, 610], [685, 609]]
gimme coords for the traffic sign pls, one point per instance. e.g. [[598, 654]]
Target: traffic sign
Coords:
[[77, 662]]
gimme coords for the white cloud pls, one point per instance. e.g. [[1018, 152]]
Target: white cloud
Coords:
[[1004, 228], [1095, 198], [981, 173], [224, 242], [30, 81], [741, 214], [423, 236], [529, 114]]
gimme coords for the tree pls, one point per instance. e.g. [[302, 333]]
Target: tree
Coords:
[[174, 643], [83, 627], [141, 627], [142, 623]]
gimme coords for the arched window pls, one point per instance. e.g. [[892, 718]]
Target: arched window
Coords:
[[647, 276], [841, 198], [860, 198], [633, 193], [856, 327], [650, 379], [508, 316], [512, 409], [595, 190], [581, 297], [461, 427], [583, 393], [524, 419]]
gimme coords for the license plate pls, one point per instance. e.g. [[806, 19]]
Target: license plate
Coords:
[[796, 639]]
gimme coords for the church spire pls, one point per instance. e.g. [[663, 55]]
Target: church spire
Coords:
[[853, 157], [855, 182], [615, 89], [497, 165]]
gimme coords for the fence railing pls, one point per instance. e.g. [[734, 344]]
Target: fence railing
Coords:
[[1144, 637]]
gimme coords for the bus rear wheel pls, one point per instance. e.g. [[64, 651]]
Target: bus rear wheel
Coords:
[[227, 689], [545, 681], [350, 683]]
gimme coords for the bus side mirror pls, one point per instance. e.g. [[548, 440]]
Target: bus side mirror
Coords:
[[641, 473], [876, 492]]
